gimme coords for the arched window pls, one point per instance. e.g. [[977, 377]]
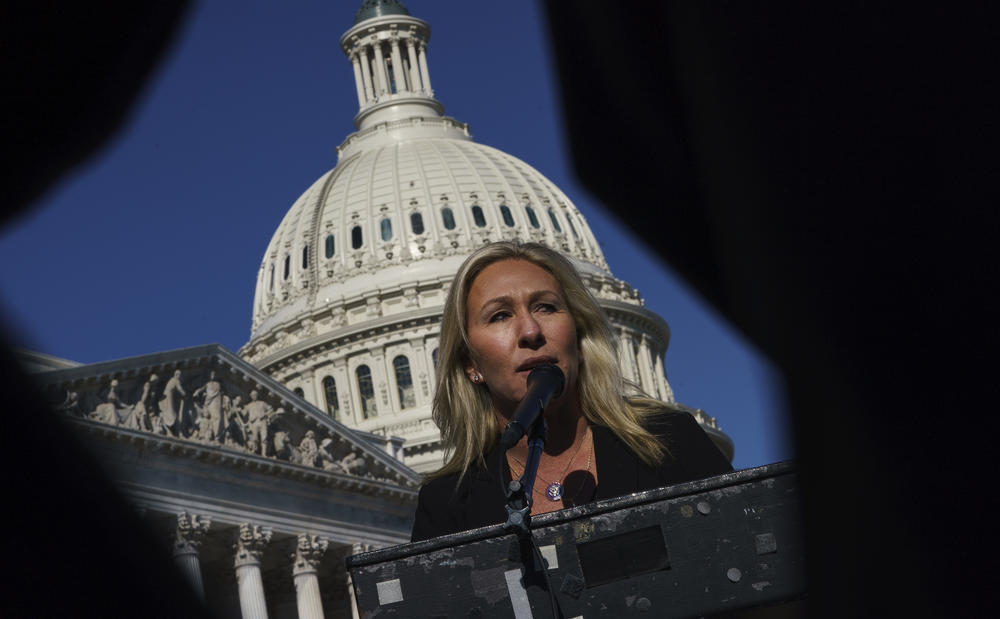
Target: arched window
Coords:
[[288, 266], [332, 403], [434, 360], [572, 228], [531, 217], [356, 238], [299, 392], [448, 218], [555, 221], [404, 382], [329, 246], [271, 285], [417, 223], [508, 218], [367, 391], [478, 217], [305, 257], [386, 227]]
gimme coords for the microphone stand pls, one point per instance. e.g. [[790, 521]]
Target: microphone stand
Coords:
[[519, 491], [518, 506]]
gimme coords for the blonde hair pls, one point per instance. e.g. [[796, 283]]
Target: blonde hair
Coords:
[[464, 410]]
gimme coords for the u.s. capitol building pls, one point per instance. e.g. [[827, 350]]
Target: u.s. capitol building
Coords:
[[265, 469]]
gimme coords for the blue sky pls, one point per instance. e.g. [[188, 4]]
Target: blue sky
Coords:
[[155, 243]]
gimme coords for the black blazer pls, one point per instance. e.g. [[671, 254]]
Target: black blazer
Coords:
[[479, 500]]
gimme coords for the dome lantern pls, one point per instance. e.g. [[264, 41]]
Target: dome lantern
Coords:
[[388, 52]]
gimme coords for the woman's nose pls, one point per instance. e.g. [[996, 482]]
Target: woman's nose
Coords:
[[530, 332]]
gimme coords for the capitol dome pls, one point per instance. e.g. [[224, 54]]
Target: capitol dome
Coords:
[[351, 287]]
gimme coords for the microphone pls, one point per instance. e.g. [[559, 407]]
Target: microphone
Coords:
[[544, 383]]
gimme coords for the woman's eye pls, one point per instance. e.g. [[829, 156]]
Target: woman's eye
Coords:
[[546, 307], [499, 316]]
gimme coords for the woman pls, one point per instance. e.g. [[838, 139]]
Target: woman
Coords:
[[510, 308]]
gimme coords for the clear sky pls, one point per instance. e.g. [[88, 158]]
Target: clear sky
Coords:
[[155, 243]]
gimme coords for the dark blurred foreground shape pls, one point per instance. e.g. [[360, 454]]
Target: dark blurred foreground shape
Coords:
[[72, 547], [826, 176]]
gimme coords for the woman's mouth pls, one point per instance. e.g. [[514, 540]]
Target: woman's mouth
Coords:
[[533, 362]]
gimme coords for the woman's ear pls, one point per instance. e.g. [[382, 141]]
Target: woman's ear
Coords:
[[473, 374]]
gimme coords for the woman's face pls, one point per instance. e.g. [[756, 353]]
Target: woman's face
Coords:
[[517, 319]]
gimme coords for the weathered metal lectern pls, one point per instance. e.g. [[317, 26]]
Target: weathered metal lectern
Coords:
[[728, 546]]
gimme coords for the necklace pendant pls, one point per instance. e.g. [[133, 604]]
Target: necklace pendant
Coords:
[[554, 491]]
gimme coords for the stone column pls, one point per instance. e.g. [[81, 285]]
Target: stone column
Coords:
[[425, 75], [628, 356], [356, 548], [188, 535], [661, 375], [249, 549], [358, 81], [309, 551], [398, 72], [366, 74], [646, 367], [382, 79], [309, 386], [411, 53]]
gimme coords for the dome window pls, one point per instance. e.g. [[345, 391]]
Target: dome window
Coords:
[[478, 217], [271, 285], [531, 217], [508, 218], [386, 229], [448, 218], [417, 223], [404, 382], [305, 257], [329, 246], [572, 228], [330, 391], [300, 393], [288, 266], [367, 391], [356, 238], [555, 221]]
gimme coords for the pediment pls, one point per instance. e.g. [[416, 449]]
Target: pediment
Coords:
[[207, 400]]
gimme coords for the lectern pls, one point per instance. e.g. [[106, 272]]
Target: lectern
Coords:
[[726, 546]]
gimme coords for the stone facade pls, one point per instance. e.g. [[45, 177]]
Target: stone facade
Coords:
[[259, 494]]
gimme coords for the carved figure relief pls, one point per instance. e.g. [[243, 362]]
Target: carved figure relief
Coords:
[[210, 415], [211, 421], [171, 405]]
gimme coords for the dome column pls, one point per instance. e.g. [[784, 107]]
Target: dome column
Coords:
[[358, 79], [667, 394], [398, 72], [425, 75], [411, 53], [646, 366], [380, 72], [366, 73]]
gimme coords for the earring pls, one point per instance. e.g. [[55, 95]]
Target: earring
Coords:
[[476, 377]]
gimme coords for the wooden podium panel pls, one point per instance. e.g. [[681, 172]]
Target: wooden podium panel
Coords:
[[729, 545]]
